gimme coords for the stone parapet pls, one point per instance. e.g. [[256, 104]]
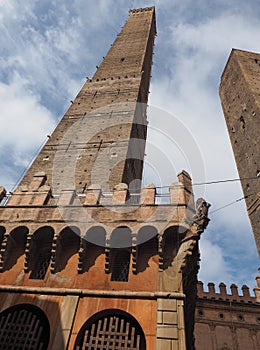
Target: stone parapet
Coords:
[[223, 294], [38, 193]]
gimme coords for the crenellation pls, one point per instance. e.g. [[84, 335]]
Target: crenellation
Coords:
[[179, 195], [148, 194], [223, 294]]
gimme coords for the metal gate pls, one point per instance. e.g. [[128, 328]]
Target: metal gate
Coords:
[[114, 332], [23, 327]]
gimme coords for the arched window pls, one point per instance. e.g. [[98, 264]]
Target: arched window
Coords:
[[172, 238], [120, 266], [67, 245], [147, 247], [40, 252], [111, 329], [120, 249], [93, 245], [15, 246], [24, 326]]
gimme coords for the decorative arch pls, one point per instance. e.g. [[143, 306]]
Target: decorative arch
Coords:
[[111, 329], [27, 324], [96, 235], [92, 246], [120, 253], [146, 233], [67, 245], [15, 248], [40, 252], [121, 237]]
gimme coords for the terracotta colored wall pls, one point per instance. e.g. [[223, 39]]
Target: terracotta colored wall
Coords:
[[144, 311]]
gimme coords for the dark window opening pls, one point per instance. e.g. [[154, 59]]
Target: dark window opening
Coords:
[[39, 255], [16, 244], [41, 266], [120, 269]]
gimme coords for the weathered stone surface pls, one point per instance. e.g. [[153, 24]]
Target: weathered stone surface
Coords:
[[218, 313]]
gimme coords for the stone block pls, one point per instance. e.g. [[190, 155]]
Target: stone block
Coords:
[[120, 194], [66, 197], [163, 344], [169, 318], [148, 194], [167, 332], [175, 345], [37, 181], [93, 195], [175, 193], [40, 198], [166, 305], [159, 317]]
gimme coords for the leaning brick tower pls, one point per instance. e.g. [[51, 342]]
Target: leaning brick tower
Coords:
[[88, 259], [239, 92]]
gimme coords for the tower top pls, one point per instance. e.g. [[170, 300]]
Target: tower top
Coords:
[[144, 9], [243, 58]]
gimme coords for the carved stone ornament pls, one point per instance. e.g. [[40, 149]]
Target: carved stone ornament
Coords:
[[201, 216]]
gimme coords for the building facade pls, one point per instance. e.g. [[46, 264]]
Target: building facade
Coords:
[[89, 260], [226, 321]]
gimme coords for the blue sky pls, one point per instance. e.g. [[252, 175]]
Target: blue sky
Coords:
[[49, 47]]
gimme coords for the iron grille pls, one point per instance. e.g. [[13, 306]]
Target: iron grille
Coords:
[[112, 333], [41, 266], [120, 268], [22, 329]]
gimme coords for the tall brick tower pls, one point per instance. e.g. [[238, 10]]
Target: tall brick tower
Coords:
[[102, 135], [239, 92], [88, 260]]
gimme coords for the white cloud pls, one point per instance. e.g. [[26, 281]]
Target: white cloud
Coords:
[[190, 93], [216, 36], [24, 121], [213, 264]]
